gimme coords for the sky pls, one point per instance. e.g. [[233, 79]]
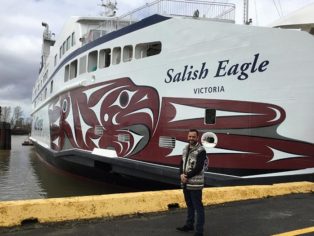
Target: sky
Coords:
[[21, 35]]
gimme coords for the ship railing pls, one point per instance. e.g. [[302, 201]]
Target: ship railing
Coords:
[[185, 8]]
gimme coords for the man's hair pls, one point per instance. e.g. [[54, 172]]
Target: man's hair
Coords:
[[194, 130]]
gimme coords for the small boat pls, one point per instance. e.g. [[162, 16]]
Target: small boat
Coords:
[[27, 142]]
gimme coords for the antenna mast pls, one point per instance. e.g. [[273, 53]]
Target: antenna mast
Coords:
[[110, 8], [246, 19]]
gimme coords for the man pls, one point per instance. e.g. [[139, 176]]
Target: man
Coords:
[[193, 165]]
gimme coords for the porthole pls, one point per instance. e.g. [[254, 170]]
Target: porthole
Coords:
[[64, 105]]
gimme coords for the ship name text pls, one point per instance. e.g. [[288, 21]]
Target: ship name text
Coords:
[[213, 89], [224, 69]]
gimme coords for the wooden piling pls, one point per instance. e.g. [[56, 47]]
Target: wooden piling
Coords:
[[5, 136]]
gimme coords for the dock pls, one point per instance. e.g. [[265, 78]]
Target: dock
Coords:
[[228, 210]]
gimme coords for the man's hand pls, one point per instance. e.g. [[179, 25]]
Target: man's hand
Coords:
[[184, 178]]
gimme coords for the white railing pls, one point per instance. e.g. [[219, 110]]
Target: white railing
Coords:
[[188, 8]]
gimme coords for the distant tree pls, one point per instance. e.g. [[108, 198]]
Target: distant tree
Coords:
[[28, 123], [5, 114], [17, 116], [20, 122]]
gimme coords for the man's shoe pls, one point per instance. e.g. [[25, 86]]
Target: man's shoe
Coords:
[[185, 228], [198, 234]]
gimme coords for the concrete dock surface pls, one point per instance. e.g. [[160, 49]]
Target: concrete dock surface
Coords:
[[291, 214]]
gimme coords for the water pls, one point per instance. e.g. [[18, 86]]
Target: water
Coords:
[[23, 175]]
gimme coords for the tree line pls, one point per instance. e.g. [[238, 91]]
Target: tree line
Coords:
[[15, 117]]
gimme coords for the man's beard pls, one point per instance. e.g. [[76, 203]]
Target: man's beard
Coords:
[[193, 142]]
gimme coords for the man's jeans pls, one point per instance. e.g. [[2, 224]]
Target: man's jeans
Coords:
[[193, 199]]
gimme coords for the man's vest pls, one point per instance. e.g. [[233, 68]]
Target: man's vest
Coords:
[[189, 162]]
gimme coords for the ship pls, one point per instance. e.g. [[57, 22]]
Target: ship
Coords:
[[118, 94]]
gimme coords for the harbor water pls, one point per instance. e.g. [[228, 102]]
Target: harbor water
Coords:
[[24, 175]]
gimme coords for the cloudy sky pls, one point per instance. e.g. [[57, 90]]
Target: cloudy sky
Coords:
[[21, 32]]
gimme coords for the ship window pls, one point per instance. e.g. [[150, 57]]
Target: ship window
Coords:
[[96, 34], [63, 47], [147, 49], [73, 69], [45, 76], [104, 58], [210, 116], [127, 53], [56, 56], [116, 55], [60, 52], [45, 93], [73, 39], [92, 61], [82, 65], [68, 43], [66, 73], [51, 86]]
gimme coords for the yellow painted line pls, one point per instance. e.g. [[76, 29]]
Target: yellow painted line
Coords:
[[297, 232], [13, 213]]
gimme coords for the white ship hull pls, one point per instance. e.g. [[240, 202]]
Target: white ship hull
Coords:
[[250, 86]]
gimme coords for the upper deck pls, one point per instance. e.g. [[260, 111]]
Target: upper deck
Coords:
[[184, 8], [202, 10]]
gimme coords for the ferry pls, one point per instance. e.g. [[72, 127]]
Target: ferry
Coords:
[[118, 94]]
